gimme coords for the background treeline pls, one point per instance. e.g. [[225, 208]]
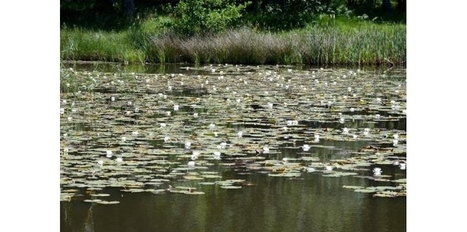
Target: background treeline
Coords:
[[264, 14]]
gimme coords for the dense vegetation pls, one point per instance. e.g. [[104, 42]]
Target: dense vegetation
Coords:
[[234, 31]]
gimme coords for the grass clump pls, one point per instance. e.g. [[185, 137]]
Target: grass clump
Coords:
[[315, 45], [77, 44]]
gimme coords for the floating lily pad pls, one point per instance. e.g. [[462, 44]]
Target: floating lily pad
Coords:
[[365, 190], [108, 202], [230, 187]]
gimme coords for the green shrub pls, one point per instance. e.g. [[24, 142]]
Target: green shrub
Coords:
[[210, 16]]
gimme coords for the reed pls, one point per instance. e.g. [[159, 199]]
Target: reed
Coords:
[[361, 44]]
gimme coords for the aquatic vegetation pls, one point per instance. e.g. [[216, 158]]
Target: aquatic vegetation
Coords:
[[278, 127]]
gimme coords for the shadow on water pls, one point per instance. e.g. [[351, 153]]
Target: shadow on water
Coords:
[[135, 68], [313, 203]]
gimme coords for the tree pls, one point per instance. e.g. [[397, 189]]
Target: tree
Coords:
[[387, 6]]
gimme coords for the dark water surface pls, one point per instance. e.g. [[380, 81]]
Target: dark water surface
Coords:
[[314, 203], [311, 202]]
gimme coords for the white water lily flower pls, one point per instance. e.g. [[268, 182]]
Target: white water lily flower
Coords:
[[240, 134], [341, 120], [345, 131], [191, 164], [119, 160], [123, 138], [70, 118], [176, 107], [265, 149], [403, 166], [216, 155], [100, 162], [395, 142], [306, 147], [134, 133], [166, 138], [352, 109], [366, 132], [187, 145], [223, 145], [329, 168], [163, 125], [195, 115], [349, 89], [195, 155], [62, 111], [270, 105], [109, 154], [354, 136], [377, 171], [316, 138], [212, 126]]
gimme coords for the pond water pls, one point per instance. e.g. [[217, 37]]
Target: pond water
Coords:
[[232, 148]]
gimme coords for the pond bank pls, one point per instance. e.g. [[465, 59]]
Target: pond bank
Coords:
[[366, 44]]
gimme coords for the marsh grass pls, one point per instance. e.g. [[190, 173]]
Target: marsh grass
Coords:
[[76, 44], [362, 43]]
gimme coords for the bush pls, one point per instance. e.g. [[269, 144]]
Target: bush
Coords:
[[195, 17]]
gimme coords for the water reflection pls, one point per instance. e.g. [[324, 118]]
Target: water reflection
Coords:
[[314, 203]]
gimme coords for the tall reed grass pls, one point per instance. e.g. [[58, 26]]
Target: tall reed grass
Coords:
[[368, 44]]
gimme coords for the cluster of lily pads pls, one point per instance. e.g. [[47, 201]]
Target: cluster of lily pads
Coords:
[[172, 133]]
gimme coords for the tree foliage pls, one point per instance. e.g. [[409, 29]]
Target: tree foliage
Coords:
[[194, 17], [191, 17]]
